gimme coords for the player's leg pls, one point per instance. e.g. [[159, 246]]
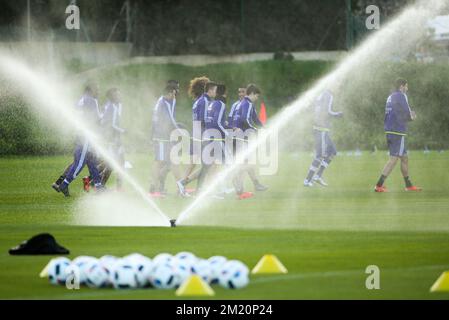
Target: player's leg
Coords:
[[255, 180], [78, 164], [320, 147], [163, 177], [158, 164], [389, 166], [404, 170], [330, 153], [178, 175], [92, 165], [58, 182], [394, 146]]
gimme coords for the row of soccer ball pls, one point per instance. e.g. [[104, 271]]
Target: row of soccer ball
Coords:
[[164, 271]]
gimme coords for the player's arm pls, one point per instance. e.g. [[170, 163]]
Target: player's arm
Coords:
[[115, 125], [403, 109], [255, 118], [221, 119], [171, 116], [330, 103]]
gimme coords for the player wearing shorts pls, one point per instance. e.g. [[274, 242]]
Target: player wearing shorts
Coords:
[[397, 116], [325, 149]]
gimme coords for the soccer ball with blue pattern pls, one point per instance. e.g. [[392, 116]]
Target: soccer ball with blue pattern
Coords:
[[124, 275], [164, 277], [57, 270], [96, 275], [234, 275]]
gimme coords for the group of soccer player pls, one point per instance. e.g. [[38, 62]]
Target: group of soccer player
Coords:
[[104, 122], [209, 112], [397, 116]]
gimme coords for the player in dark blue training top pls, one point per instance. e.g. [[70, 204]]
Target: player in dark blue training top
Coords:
[[163, 125], [324, 147], [84, 153], [113, 132], [244, 117], [203, 91], [215, 123], [397, 116]]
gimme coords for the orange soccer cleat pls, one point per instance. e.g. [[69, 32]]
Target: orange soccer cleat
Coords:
[[86, 184], [380, 189], [413, 188], [246, 195]]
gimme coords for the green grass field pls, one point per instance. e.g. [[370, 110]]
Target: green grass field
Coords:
[[326, 237]]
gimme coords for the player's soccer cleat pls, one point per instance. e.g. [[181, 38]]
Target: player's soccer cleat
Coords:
[[320, 181], [246, 195], [86, 184], [260, 187], [413, 188], [380, 189], [156, 195], [64, 188], [100, 189], [55, 186], [308, 184]]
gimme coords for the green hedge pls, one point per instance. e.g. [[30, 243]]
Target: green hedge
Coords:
[[362, 99], [24, 133]]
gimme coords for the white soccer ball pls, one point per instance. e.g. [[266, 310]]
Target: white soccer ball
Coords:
[[124, 275], [78, 268], [203, 269], [96, 275], [143, 268], [187, 256], [234, 275], [182, 270], [164, 277], [134, 256], [57, 270], [216, 264], [108, 262], [162, 258]]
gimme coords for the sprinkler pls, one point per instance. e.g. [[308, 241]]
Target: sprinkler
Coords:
[[173, 223]]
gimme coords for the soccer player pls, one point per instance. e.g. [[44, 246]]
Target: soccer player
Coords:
[[163, 125], [245, 117], [397, 115], [241, 95], [215, 118], [203, 91], [113, 132], [250, 170], [325, 148], [84, 153]]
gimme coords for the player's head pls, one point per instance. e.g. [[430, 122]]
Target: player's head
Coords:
[[221, 92], [242, 93], [171, 90], [401, 85], [91, 88], [253, 92], [211, 89], [113, 95], [174, 84], [196, 87]]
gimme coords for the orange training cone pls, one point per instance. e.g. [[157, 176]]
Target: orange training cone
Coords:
[[263, 113]]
